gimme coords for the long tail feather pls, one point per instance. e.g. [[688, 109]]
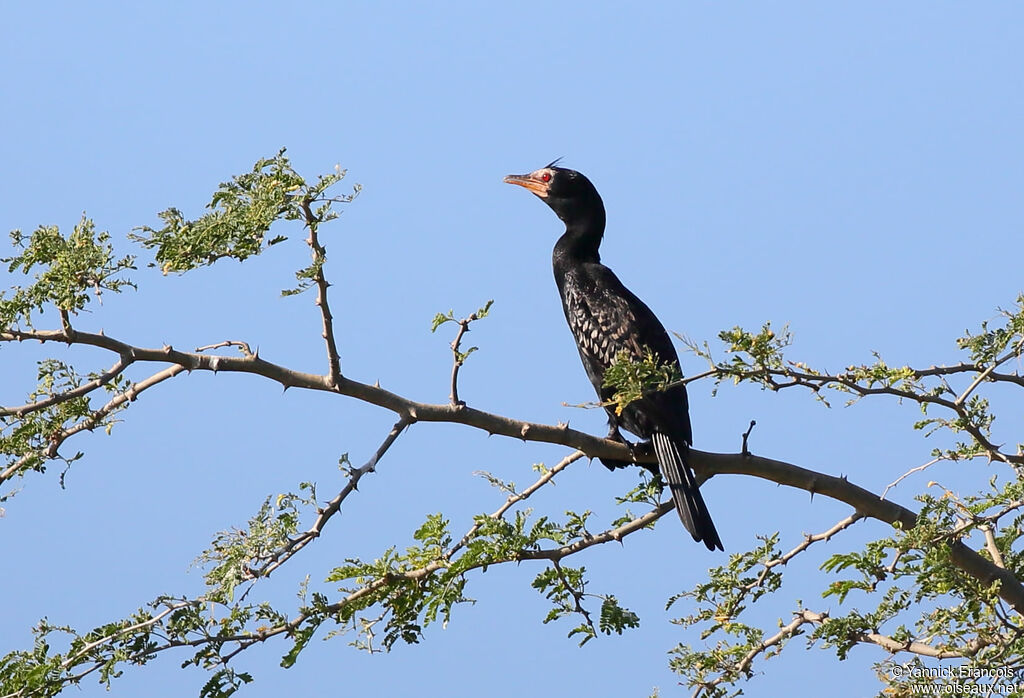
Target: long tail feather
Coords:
[[685, 493]]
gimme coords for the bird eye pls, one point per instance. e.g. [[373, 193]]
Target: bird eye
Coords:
[[546, 177]]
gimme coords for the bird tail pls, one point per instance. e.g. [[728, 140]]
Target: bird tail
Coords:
[[685, 493]]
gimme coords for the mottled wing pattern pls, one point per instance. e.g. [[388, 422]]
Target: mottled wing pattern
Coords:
[[603, 326], [606, 319]]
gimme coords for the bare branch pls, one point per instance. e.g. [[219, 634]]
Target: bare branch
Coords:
[[746, 436], [319, 255], [242, 347], [993, 549], [921, 648], [979, 379], [907, 474]]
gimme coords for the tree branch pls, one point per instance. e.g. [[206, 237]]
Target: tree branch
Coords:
[[801, 618], [332, 507], [84, 389], [319, 255], [706, 464], [457, 359]]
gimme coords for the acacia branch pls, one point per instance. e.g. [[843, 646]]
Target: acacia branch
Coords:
[[807, 617], [515, 498], [791, 629], [325, 513], [921, 648], [807, 542], [819, 381], [319, 255], [865, 503], [58, 398], [706, 464], [89, 423]]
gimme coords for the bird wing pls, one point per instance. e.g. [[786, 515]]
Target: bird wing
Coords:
[[604, 325]]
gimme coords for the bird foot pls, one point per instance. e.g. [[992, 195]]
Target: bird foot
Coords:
[[612, 464]]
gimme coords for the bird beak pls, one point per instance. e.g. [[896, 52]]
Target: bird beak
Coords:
[[531, 181]]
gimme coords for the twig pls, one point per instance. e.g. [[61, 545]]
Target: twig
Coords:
[[577, 596], [616, 534], [243, 347], [801, 618], [992, 547], [458, 360], [319, 253], [332, 507], [746, 435], [907, 474], [514, 499], [804, 545]]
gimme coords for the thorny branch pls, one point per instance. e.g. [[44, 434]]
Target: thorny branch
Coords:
[[807, 617], [324, 514], [90, 422], [103, 379], [707, 464], [807, 542], [794, 375], [319, 253], [791, 629]]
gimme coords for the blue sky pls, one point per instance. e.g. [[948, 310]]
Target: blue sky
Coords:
[[852, 171]]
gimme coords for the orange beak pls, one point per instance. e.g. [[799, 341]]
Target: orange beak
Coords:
[[531, 181]]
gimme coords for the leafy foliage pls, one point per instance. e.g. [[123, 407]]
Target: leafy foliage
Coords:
[[241, 214], [73, 269], [57, 407], [901, 592], [442, 318], [632, 379]]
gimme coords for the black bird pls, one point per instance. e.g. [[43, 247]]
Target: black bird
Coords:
[[607, 319]]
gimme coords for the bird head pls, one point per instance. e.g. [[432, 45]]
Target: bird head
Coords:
[[569, 194]]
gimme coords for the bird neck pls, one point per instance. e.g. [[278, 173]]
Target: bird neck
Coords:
[[582, 239]]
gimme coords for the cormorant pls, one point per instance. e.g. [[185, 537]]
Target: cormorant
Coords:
[[606, 319]]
